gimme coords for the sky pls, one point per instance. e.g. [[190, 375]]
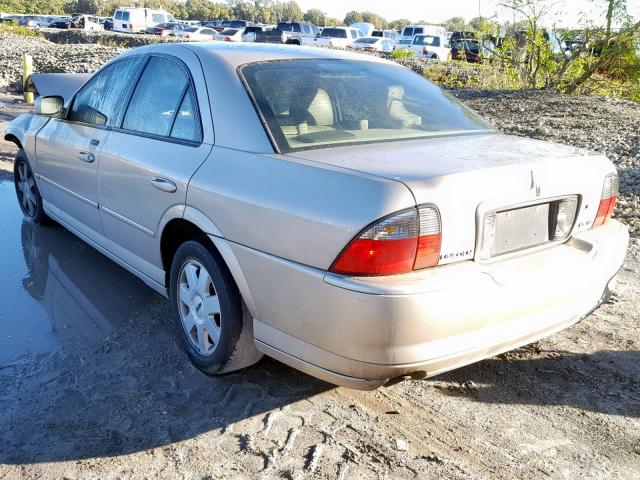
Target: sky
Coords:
[[567, 13]]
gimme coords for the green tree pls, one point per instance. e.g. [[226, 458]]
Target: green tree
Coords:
[[287, 12], [398, 24], [315, 16], [455, 24], [353, 17]]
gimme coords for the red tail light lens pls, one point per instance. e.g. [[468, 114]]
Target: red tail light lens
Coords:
[[425, 51], [608, 199], [403, 242]]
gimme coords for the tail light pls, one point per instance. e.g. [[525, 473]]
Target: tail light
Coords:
[[608, 199], [406, 241], [425, 51], [227, 39], [565, 215]]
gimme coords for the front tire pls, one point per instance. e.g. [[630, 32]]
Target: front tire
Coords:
[[213, 327], [27, 191]]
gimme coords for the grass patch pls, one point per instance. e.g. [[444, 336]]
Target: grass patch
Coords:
[[12, 29]]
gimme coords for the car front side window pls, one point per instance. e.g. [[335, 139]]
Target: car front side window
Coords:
[[163, 102], [99, 101]]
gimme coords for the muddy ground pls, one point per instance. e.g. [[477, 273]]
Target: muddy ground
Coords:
[[93, 385]]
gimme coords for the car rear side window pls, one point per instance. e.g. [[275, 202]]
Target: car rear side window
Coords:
[[99, 101], [186, 125], [162, 98]]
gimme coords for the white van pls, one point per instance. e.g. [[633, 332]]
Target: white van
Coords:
[[410, 31], [133, 20]]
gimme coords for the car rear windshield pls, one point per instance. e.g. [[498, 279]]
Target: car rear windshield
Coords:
[[192, 29], [367, 40], [334, 33], [229, 31], [288, 27], [321, 103]]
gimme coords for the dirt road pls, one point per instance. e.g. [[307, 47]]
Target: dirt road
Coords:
[[93, 385]]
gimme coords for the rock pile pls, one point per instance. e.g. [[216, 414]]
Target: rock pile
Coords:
[[48, 57]]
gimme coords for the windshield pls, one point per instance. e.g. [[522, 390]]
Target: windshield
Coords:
[[321, 103], [229, 31], [192, 29], [334, 33], [288, 27]]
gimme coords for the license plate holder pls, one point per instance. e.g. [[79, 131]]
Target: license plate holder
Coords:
[[521, 228]]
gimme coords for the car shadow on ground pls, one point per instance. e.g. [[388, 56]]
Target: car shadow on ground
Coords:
[[605, 381], [112, 379]]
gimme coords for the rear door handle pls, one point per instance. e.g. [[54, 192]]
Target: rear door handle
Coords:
[[86, 156], [164, 184]]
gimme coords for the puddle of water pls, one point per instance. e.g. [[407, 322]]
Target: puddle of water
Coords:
[[56, 291]]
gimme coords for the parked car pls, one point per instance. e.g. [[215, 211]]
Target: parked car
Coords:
[[410, 31], [249, 34], [469, 50], [230, 35], [236, 24], [90, 23], [435, 47], [198, 34], [138, 19], [61, 23], [108, 23], [373, 44], [338, 37], [390, 34], [30, 22], [167, 29], [291, 33], [352, 220]]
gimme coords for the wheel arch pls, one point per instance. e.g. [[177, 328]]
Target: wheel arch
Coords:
[[10, 137], [194, 225]]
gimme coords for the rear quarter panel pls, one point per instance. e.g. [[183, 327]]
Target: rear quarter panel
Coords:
[[293, 209]]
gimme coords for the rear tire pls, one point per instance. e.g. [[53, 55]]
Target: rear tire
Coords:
[[29, 197], [210, 319]]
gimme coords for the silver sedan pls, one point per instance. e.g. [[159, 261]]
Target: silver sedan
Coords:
[[335, 211]]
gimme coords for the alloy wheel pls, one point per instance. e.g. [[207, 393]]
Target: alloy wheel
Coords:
[[27, 193]]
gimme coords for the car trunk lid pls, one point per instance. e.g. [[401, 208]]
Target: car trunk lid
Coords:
[[511, 184]]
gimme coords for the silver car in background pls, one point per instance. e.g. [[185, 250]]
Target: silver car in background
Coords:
[[332, 210]]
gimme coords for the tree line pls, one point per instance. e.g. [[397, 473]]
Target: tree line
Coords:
[[262, 11]]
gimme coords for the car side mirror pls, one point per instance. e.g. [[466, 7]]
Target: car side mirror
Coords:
[[50, 106]]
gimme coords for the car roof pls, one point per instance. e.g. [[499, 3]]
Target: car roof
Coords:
[[232, 55]]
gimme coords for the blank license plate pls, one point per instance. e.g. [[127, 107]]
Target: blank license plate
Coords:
[[522, 228]]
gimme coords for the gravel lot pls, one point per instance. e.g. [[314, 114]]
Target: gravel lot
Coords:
[[101, 389]]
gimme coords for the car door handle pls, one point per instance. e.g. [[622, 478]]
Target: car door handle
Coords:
[[164, 184], [86, 156]]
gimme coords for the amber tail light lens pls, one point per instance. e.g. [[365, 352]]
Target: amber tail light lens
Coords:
[[406, 241], [608, 199]]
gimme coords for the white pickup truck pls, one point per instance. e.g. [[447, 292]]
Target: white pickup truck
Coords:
[[435, 47]]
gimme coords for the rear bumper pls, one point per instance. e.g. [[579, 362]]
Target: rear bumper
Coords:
[[363, 332]]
